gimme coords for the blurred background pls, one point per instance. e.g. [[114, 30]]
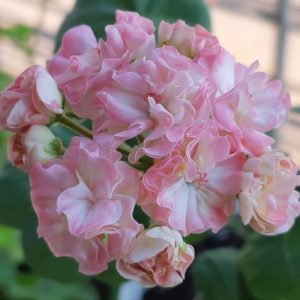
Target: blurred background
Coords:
[[268, 30]]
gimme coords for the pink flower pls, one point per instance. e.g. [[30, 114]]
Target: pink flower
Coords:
[[16, 152], [31, 99], [268, 201], [130, 38], [246, 105], [84, 203], [196, 192], [192, 42], [74, 65], [38, 144], [159, 256], [248, 112], [80, 61], [251, 109], [159, 96], [222, 71]]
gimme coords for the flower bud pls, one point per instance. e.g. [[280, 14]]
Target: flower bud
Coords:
[[189, 41], [33, 98], [37, 144], [268, 201], [159, 256], [41, 144]]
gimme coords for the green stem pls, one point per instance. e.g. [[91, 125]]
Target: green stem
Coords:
[[124, 149], [68, 122], [143, 164], [147, 162], [139, 167]]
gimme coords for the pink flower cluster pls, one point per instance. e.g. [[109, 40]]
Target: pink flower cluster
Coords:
[[198, 121]]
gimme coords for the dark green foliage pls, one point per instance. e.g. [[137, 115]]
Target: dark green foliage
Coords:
[[99, 13], [215, 274]]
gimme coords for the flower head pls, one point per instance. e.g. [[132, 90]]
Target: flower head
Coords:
[[84, 205], [159, 256], [268, 201], [31, 99], [38, 144]]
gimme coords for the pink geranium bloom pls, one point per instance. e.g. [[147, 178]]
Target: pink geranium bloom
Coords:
[[192, 42], [222, 70], [80, 58], [247, 104], [130, 38], [248, 112], [159, 256], [268, 201], [38, 144], [31, 99], [84, 203], [160, 96], [183, 112], [197, 191], [73, 67]]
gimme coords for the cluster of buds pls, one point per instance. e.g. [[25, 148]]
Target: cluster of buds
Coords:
[[178, 128]]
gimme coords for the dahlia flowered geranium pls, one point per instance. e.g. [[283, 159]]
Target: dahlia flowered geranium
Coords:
[[178, 128]]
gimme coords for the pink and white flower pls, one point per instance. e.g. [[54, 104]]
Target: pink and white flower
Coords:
[[33, 98], [73, 67], [192, 42], [253, 108], [247, 104], [197, 191], [185, 113], [129, 39], [268, 201], [38, 144], [159, 96], [84, 203], [159, 256]]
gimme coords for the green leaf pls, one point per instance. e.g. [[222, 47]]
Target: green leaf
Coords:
[[266, 269], [195, 238], [20, 34], [43, 262], [5, 79], [294, 294], [236, 225], [191, 11], [16, 211], [3, 148], [141, 217], [112, 280], [10, 243], [99, 13], [15, 206], [215, 274], [111, 276], [30, 286], [271, 265], [64, 133], [7, 274], [292, 251], [16, 285]]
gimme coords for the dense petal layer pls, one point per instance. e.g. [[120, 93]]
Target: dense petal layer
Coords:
[[83, 205], [31, 99], [268, 201], [159, 256]]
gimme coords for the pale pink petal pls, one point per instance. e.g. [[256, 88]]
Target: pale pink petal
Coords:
[[268, 200], [158, 256]]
